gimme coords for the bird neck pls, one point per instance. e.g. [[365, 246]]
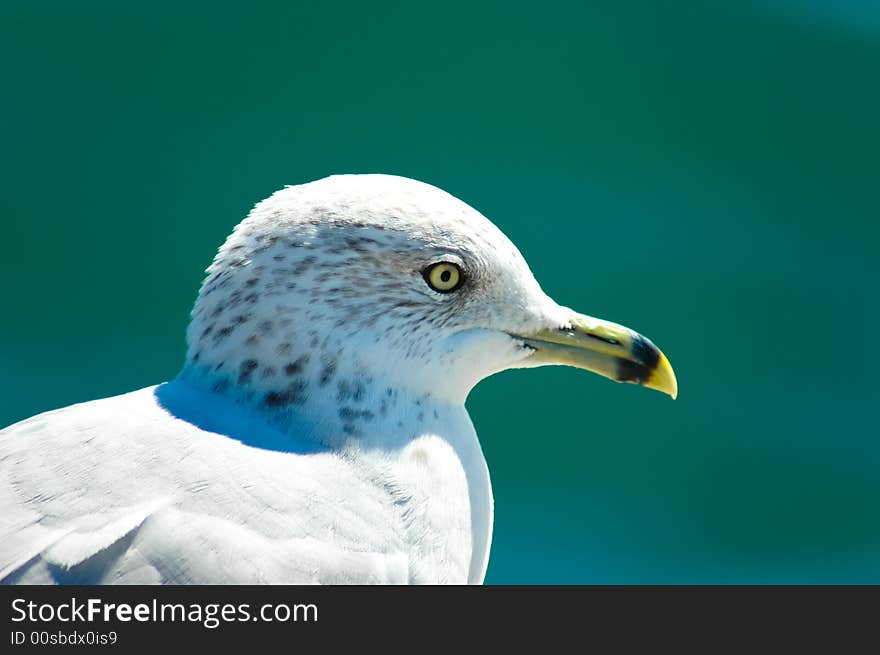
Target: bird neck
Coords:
[[347, 409], [354, 416]]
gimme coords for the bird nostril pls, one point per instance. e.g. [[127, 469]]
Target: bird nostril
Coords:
[[609, 340]]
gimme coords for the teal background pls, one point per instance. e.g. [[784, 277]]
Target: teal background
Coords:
[[704, 174]]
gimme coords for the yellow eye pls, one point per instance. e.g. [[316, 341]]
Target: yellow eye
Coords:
[[443, 277]]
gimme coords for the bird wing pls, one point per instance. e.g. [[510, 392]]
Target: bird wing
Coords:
[[122, 490]]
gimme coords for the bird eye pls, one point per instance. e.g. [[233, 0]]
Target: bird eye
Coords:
[[443, 276]]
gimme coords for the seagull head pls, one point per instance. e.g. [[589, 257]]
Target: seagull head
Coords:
[[362, 285]]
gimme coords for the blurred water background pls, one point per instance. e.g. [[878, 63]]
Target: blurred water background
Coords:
[[704, 173]]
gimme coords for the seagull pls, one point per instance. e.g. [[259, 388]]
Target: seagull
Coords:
[[317, 431]]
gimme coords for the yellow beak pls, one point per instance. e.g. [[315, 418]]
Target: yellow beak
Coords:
[[605, 348]]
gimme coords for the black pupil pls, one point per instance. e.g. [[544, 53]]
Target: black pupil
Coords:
[[445, 275]]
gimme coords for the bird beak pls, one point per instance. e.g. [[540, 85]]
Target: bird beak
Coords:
[[605, 348]]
